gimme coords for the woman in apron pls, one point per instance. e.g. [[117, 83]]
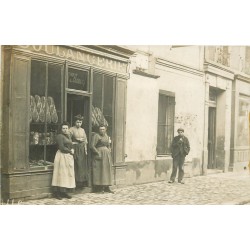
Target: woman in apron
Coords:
[[63, 174]]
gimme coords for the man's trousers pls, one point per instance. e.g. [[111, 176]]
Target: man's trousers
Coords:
[[178, 162]]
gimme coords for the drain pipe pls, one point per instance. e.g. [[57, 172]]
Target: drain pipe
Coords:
[[205, 114]]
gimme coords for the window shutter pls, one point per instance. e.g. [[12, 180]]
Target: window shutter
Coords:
[[120, 114]]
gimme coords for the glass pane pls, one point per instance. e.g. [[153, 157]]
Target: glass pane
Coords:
[[37, 114], [97, 101], [97, 90], [243, 122], [212, 95], [53, 109], [77, 79], [165, 124], [108, 95], [162, 104], [161, 140], [102, 102], [108, 102]]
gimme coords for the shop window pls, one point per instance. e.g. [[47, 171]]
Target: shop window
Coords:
[[108, 90], [103, 98], [45, 111], [165, 132]]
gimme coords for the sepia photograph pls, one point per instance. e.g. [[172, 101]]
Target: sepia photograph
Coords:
[[125, 124]]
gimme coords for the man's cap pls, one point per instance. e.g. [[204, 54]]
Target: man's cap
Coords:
[[180, 129]]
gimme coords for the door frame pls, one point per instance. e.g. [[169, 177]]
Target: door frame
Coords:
[[89, 103]]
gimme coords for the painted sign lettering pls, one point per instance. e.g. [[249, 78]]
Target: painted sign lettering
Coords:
[[80, 56]]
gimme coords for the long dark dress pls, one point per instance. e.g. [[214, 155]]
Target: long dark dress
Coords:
[[101, 161], [80, 156]]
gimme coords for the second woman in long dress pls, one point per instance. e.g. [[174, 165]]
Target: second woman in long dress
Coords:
[[79, 140], [101, 161]]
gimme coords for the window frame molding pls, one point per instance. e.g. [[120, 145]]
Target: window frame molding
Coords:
[[166, 94]]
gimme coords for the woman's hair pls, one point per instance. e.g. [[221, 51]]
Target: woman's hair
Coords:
[[78, 118], [64, 124]]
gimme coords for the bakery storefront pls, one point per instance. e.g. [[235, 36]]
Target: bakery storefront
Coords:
[[44, 85]]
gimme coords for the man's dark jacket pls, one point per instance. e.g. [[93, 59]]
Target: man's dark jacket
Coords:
[[180, 147]]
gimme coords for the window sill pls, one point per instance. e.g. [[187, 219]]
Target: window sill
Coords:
[[163, 157]]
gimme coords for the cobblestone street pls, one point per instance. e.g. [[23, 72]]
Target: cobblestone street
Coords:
[[213, 189]]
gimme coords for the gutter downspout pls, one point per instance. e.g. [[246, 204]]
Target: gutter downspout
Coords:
[[204, 126]]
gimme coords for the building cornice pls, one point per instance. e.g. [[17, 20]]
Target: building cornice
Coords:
[[112, 49], [242, 77], [180, 67], [220, 70], [98, 50]]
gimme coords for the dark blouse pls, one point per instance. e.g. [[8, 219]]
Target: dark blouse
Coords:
[[99, 141], [64, 143]]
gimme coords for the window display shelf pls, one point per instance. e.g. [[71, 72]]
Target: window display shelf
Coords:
[[43, 144], [41, 163]]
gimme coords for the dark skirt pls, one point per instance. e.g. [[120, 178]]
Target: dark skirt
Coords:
[[102, 168], [80, 158]]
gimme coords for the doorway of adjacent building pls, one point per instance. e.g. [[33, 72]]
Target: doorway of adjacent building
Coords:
[[211, 138]]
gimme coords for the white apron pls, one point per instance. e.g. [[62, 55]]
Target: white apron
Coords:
[[63, 174]]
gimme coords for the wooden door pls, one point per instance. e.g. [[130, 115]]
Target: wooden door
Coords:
[[211, 137]]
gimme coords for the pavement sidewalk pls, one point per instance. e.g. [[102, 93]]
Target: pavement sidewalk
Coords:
[[214, 189]]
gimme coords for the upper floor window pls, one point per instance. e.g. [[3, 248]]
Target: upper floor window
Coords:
[[247, 61], [165, 131], [219, 54]]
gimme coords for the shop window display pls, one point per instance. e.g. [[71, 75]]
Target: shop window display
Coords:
[[102, 108], [45, 111]]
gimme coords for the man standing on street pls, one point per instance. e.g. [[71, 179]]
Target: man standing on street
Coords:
[[180, 148]]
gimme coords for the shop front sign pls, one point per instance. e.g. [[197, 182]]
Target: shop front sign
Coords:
[[79, 56]]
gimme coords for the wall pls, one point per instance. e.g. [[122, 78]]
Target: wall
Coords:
[[142, 115], [178, 54], [189, 108], [237, 57], [143, 165]]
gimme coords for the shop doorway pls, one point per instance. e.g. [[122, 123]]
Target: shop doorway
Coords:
[[79, 104], [211, 138]]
